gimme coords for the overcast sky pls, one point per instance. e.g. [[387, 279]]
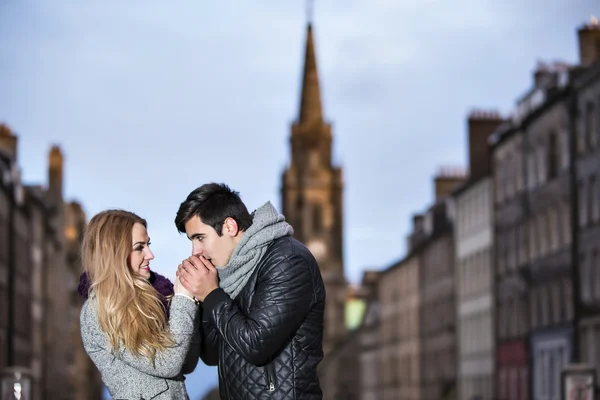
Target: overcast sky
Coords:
[[150, 99]]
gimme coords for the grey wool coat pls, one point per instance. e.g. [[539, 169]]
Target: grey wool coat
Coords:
[[129, 377]]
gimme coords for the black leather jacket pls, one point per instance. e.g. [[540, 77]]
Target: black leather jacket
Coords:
[[267, 342]]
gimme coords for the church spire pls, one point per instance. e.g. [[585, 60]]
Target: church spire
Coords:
[[310, 101]]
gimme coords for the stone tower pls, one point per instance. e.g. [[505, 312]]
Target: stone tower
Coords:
[[311, 194]]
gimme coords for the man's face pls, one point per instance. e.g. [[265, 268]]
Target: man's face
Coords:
[[206, 242]]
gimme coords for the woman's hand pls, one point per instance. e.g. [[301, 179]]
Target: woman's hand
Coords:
[[178, 288]]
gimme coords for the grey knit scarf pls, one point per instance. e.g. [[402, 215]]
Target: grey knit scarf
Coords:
[[267, 225]]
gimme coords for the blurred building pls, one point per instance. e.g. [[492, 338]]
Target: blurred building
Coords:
[[500, 286], [311, 194], [473, 242], [543, 117], [394, 371], [369, 350], [437, 331], [341, 370], [586, 123], [510, 264], [39, 270]]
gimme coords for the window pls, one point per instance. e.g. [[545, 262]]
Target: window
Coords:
[[522, 240], [552, 156], [556, 294], [519, 171], [541, 161], [498, 181], [554, 239], [595, 275], [531, 171], [590, 125], [544, 301], [583, 218], [509, 176], [533, 305], [532, 240], [586, 273], [568, 299], [542, 234], [564, 148], [579, 137], [4, 235], [594, 199], [566, 224]]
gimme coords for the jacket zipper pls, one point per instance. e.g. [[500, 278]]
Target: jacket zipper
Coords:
[[270, 377]]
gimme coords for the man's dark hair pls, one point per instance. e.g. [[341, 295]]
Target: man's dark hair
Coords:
[[213, 203]]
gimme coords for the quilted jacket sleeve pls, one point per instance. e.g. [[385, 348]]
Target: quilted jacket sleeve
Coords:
[[283, 294], [209, 346], [168, 363]]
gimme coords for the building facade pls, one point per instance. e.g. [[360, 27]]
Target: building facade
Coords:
[[398, 375], [39, 329], [511, 309], [370, 347], [437, 331], [473, 241], [548, 202], [341, 370], [587, 172]]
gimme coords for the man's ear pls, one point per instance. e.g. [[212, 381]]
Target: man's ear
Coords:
[[230, 227]]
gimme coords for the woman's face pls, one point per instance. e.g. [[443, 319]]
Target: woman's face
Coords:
[[140, 256]]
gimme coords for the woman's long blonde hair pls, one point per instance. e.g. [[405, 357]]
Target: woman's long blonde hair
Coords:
[[129, 310]]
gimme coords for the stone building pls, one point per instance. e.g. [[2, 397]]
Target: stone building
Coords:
[[414, 354], [40, 308], [437, 330], [587, 172], [392, 368], [342, 369], [547, 245], [510, 264], [473, 242], [369, 352]]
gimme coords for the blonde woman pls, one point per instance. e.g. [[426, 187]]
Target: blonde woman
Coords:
[[138, 344]]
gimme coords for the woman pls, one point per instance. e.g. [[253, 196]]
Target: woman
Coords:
[[139, 350]]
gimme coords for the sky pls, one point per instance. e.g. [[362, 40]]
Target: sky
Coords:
[[150, 99]]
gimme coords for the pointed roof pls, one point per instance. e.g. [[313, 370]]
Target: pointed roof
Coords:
[[310, 101]]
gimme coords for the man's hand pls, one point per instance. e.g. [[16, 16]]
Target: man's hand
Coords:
[[198, 275]]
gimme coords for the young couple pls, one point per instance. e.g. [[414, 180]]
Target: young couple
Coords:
[[249, 299]]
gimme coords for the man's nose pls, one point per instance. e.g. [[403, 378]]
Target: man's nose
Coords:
[[197, 250]]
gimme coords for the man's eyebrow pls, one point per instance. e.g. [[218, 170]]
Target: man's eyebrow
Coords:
[[196, 236]]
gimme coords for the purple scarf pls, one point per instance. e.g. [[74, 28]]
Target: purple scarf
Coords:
[[163, 286]]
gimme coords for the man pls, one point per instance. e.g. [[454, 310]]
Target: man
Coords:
[[262, 304]]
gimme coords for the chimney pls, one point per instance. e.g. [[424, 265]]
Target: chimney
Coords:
[[55, 175], [589, 42], [542, 75], [418, 223], [481, 125], [447, 180], [8, 142]]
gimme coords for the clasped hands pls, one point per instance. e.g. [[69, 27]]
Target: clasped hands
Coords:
[[198, 276]]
